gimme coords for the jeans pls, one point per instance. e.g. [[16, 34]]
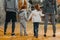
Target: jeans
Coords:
[[36, 25]]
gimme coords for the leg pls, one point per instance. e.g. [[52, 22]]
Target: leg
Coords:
[[21, 29], [53, 23], [25, 33], [13, 28], [45, 24], [36, 29], [13, 18], [6, 21], [5, 27]]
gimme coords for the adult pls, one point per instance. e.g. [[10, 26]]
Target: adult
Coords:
[[10, 9], [50, 9]]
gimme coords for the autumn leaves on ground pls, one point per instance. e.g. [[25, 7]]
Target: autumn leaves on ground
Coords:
[[30, 33]]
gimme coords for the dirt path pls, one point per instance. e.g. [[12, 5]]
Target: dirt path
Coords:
[[30, 33]]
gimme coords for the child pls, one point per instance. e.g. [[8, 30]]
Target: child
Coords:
[[23, 19], [36, 18]]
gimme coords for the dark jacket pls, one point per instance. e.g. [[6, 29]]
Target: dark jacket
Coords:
[[49, 6]]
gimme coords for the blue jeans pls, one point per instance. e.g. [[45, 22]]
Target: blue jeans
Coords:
[[36, 25]]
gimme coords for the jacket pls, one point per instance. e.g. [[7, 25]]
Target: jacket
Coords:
[[50, 6], [35, 16], [23, 15], [10, 5]]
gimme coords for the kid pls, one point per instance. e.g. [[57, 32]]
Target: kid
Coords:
[[36, 18]]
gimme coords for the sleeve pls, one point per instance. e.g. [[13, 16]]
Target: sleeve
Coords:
[[5, 5], [16, 5], [26, 15], [55, 6], [44, 6]]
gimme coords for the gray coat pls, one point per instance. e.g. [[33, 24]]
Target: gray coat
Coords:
[[10, 5], [50, 6]]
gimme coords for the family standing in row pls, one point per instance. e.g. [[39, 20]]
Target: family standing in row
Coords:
[[11, 8]]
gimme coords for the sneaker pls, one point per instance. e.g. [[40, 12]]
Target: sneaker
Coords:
[[54, 35], [13, 34], [44, 35], [36, 36], [25, 34], [4, 33], [21, 35]]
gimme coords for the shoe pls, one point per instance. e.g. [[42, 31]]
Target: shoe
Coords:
[[44, 35], [4, 33], [21, 35], [54, 35], [13, 34], [25, 34], [36, 36]]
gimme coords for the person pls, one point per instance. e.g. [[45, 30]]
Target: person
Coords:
[[50, 9], [10, 7], [36, 18], [23, 20]]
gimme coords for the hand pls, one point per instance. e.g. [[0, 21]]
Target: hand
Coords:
[[27, 20]]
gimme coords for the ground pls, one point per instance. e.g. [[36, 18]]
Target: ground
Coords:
[[30, 32]]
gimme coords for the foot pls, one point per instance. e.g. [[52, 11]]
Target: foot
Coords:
[[21, 35], [36, 36], [54, 35], [13, 34], [44, 35], [25, 34], [4, 33]]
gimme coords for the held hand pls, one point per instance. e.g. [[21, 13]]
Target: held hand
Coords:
[[28, 20]]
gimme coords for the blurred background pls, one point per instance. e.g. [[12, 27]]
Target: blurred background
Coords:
[[30, 5]]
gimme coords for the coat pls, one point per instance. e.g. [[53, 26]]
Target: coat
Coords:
[[23, 15], [49, 6], [10, 5]]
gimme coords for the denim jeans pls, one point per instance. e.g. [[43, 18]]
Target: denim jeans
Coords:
[[36, 25]]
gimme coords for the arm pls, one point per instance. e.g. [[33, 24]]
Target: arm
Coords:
[[55, 6], [30, 17], [16, 5], [26, 15], [5, 5]]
